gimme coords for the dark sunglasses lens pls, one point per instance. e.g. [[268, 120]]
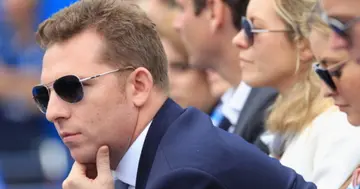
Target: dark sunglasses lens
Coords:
[[338, 27], [326, 77], [338, 31], [41, 97], [69, 88], [246, 25]]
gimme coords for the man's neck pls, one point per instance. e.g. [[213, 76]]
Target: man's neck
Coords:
[[147, 112]]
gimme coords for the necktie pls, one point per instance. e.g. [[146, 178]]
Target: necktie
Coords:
[[217, 115], [121, 185], [225, 124]]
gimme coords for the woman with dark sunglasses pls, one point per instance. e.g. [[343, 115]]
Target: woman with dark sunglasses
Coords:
[[335, 67], [337, 71], [343, 17], [274, 52]]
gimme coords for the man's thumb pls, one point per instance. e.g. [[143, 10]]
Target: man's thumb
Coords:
[[103, 161]]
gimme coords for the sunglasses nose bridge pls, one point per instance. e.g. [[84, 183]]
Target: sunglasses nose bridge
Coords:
[[49, 87], [240, 40]]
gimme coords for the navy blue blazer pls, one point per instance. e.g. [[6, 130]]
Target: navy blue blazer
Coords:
[[183, 150]]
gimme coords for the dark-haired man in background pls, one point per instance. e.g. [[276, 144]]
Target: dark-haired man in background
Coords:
[[207, 28]]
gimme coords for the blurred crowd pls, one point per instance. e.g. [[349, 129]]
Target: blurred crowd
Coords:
[[278, 103], [31, 153]]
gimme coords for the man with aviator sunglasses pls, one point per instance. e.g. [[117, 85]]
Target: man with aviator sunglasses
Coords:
[[110, 106], [69, 88]]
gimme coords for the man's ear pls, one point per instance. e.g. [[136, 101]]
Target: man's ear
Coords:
[[139, 85], [216, 14]]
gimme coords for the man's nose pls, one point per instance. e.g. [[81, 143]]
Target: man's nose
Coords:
[[57, 108], [178, 22]]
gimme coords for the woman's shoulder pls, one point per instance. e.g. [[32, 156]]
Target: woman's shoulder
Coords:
[[333, 118], [333, 123]]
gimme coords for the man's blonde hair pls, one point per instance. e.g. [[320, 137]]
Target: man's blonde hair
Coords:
[[130, 37]]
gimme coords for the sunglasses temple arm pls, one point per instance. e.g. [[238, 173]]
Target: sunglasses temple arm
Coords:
[[259, 31], [353, 21], [265, 31], [99, 75], [109, 72]]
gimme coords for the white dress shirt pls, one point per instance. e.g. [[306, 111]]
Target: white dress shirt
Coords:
[[327, 152], [353, 187], [127, 169], [234, 102]]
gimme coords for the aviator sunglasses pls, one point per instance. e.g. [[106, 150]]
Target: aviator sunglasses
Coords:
[[327, 74], [69, 88], [249, 29]]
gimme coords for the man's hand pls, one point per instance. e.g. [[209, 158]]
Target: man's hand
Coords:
[[78, 178]]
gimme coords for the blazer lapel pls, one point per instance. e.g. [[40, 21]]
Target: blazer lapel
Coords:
[[167, 114], [246, 112], [253, 108]]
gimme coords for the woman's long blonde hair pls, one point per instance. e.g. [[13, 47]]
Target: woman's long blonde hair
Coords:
[[315, 22], [295, 110]]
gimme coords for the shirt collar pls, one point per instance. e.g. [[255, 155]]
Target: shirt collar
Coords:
[[233, 107], [127, 169], [225, 98]]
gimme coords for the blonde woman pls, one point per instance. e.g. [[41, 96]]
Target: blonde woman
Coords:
[[340, 86], [319, 142]]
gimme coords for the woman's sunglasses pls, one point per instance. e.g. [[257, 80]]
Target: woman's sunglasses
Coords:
[[69, 88], [249, 29], [327, 74], [339, 27]]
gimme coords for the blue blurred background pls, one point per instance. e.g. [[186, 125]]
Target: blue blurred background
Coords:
[[31, 153]]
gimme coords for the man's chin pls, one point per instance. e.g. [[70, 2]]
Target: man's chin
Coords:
[[83, 156], [195, 62]]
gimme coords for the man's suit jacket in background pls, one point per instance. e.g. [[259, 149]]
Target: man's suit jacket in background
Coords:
[[183, 150], [251, 122]]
